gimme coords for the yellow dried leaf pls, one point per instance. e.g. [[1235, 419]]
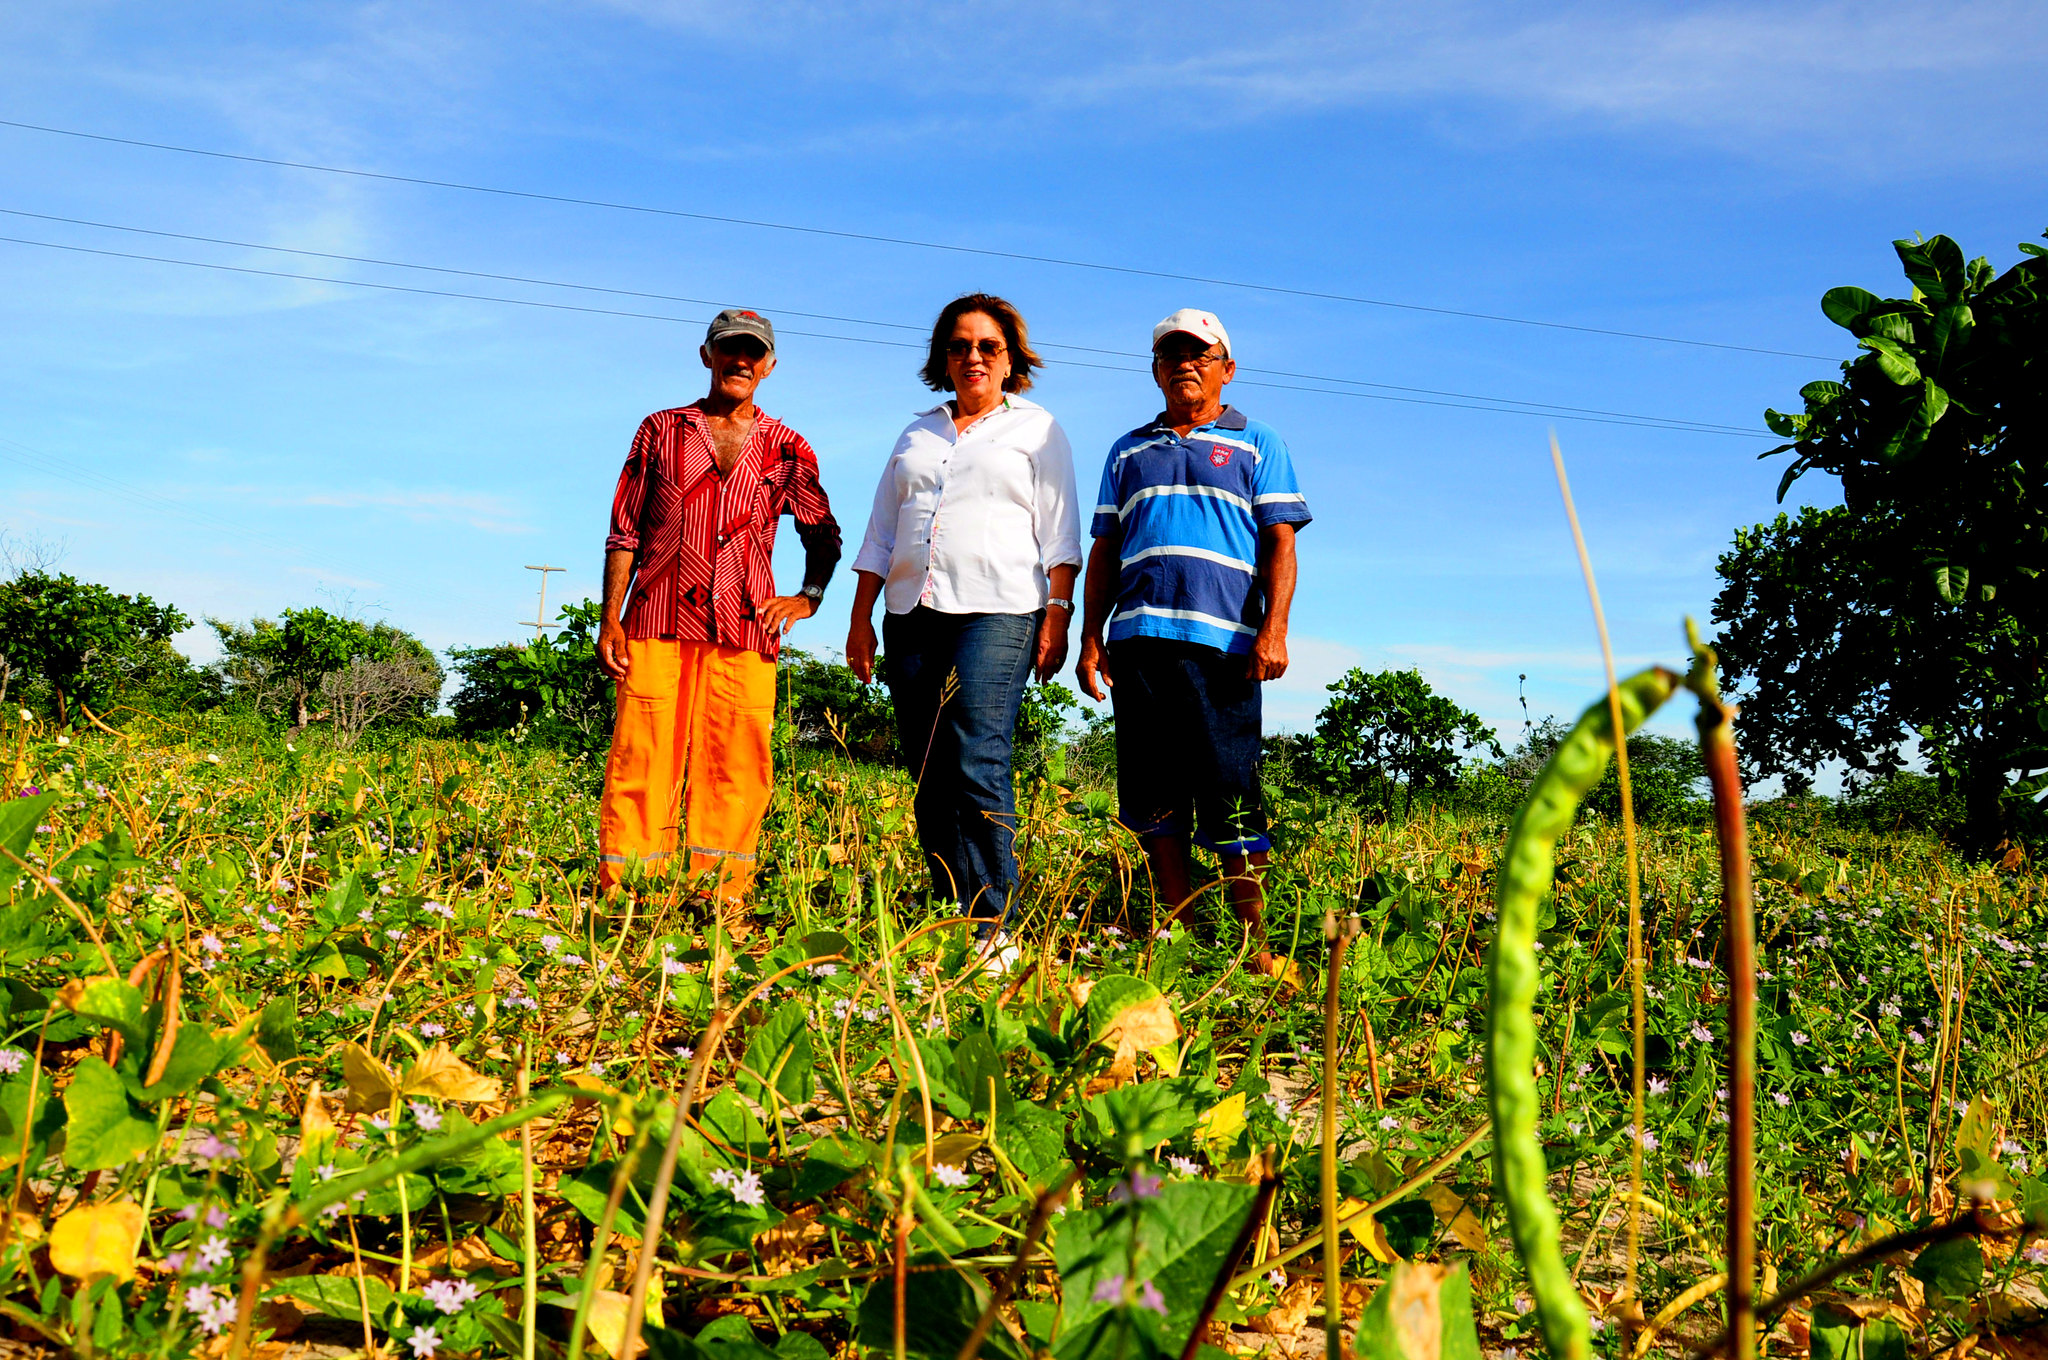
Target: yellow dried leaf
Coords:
[[608, 1322], [316, 1122], [1290, 1314], [371, 1086], [1455, 1214], [1371, 1234], [97, 1239], [441, 1074], [1415, 1309], [1142, 1025], [1219, 1126]]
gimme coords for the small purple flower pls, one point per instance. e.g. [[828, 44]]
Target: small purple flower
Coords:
[[1111, 1290], [424, 1342], [1149, 1297], [450, 1296], [11, 1060], [425, 1115], [209, 1146], [1139, 1186]]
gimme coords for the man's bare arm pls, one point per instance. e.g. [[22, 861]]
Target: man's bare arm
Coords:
[[1098, 597], [1268, 660], [611, 633]]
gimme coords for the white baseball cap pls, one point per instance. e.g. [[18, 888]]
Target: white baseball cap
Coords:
[[1202, 325]]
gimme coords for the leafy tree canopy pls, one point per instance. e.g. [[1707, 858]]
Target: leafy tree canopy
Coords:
[[75, 635], [1915, 609], [280, 664], [1389, 730]]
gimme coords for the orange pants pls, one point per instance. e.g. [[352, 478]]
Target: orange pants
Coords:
[[693, 729]]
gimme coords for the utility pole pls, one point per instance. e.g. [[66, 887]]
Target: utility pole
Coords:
[[540, 613]]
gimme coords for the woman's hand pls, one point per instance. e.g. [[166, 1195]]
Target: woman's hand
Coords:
[[860, 647], [1052, 642]]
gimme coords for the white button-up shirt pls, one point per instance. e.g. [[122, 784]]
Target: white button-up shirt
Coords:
[[970, 523]]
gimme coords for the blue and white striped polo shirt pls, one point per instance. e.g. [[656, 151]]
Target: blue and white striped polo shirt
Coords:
[[1185, 514]]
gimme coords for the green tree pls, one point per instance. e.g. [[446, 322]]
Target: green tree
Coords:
[[1914, 611], [553, 683], [75, 635], [1390, 730], [278, 665], [828, 705]]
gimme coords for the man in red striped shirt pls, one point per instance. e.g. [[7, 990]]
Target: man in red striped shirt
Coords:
[[693, 534]]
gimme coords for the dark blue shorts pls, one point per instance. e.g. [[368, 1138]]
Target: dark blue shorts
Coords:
[[1188, 729]]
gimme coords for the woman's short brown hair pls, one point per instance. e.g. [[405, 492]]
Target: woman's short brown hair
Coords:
[[1023, 359]]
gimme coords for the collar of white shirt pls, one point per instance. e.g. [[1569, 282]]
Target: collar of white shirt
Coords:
[[1011, 402]]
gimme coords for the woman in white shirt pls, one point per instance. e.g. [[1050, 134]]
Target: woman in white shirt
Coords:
[[974, 542]]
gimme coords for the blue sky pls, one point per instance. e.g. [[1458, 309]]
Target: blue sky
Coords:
[[237, 444]]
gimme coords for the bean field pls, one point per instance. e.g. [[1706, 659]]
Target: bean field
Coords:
[[332, 1052]]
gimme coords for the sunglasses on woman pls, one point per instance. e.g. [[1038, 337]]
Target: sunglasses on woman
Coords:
[[960, 349]]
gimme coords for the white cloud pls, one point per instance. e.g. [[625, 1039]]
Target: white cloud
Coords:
[[486, 513], [1878, 81]]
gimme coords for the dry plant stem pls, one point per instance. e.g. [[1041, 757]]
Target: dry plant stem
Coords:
[[1635, 895], [1717, 747], [1041, 1214], [664, 1177], [602, 1239], [899, 1286], [28, 1124], [1972, 1224], [1399, 1192], [1338, 932], [1670, 1311], [529, 1244]]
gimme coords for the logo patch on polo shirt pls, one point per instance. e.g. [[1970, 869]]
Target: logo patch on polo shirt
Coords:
[[1220, 456]]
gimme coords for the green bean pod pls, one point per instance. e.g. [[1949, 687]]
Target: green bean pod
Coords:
[[1527, 869]]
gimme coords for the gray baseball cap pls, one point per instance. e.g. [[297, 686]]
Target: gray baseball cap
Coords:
[[738, 321]]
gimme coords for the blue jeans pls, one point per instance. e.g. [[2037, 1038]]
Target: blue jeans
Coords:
[[958, 680]]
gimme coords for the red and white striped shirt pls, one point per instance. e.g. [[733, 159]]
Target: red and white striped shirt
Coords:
[[705, 541]]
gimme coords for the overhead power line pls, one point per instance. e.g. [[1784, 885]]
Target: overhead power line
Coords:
[[1502, 406], [880, 239], [1511, 402]]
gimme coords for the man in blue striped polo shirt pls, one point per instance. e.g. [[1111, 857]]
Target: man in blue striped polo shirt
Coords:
[[1189, 584]]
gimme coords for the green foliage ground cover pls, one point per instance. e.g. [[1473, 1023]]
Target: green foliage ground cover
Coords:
[[375, 951]]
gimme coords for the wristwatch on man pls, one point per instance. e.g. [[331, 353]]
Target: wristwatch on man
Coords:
[[1057, 602], [815, 594]]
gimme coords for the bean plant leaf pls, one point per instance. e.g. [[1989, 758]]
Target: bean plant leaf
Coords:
[[941, 1308], [1035, 1140], [41, 1120], [108, 1001], [195, 1056], [1951, 1269], [1839, 1334], [19, 818], [336, 1296], [102, 1128], [1422, 1312], [779, 1054], [1183, 1236], [1144, 1114]]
